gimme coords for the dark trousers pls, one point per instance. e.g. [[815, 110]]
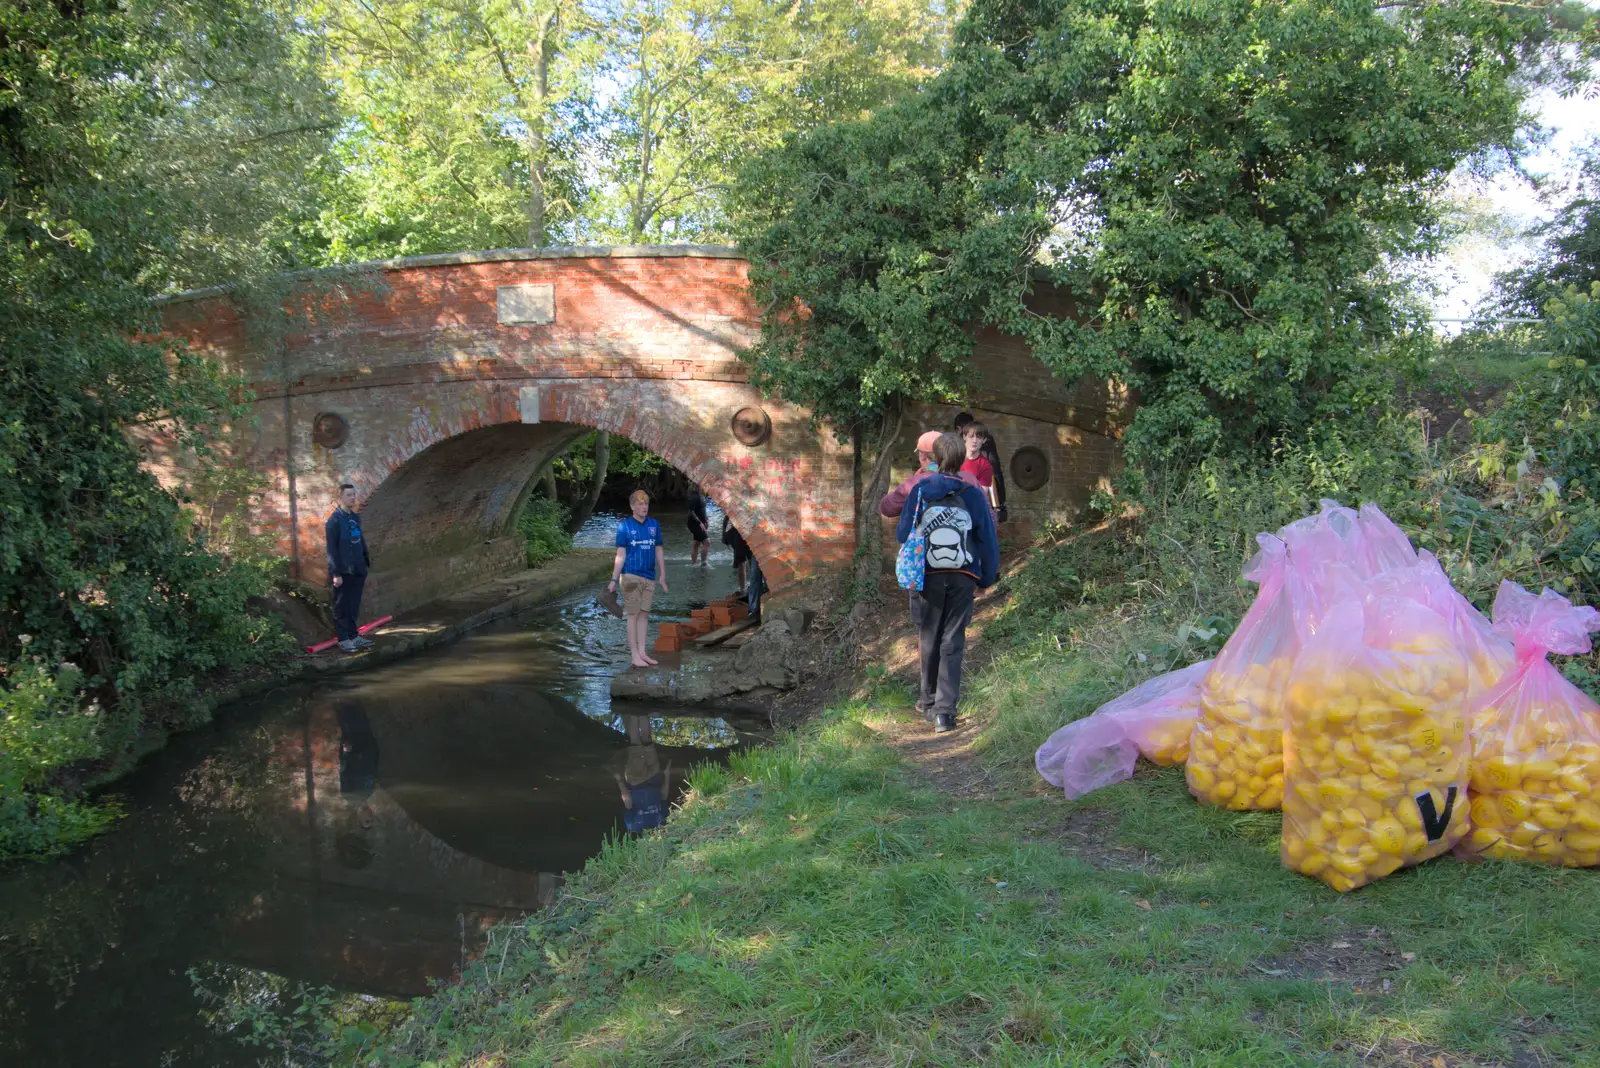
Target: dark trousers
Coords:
[[941, 611], [347, 605], [755, 585]]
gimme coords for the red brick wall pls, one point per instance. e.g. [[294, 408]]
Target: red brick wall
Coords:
[[451, 413]]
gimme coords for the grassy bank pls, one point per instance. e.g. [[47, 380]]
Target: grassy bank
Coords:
[[824, 902], [837, 899]]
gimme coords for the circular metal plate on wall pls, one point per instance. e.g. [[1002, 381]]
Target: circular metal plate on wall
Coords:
[[1030, 468], [751, 426], [328, 429]]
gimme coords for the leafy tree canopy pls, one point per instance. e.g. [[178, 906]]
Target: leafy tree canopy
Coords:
[[1570, 255], [95, 559], [1219, 185], [488, 123]]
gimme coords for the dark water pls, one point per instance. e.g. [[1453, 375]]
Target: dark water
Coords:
[[360, 833]]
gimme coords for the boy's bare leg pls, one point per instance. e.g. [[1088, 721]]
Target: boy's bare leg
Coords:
[[635, 643], [644, 637]]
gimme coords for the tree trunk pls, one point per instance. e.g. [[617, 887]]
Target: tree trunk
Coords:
[[538, 134], [602, 460], [869, 533], [549, 483]]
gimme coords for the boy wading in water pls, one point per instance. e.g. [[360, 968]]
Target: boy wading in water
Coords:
[[641, 563], [963, 556], [699, 527]]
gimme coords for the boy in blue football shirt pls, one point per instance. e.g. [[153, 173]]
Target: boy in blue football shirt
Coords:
[[641, 562]]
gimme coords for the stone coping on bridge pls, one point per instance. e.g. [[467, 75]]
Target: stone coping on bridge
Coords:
[[494, 255]]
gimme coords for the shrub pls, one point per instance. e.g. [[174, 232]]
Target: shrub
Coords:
[[45, 725], [543, 524]]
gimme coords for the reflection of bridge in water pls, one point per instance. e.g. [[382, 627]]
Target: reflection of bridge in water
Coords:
[[413, 827], [359, 834]]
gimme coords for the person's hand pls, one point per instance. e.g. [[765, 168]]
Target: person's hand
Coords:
[[338, 580], [612, 585], [663, 582]]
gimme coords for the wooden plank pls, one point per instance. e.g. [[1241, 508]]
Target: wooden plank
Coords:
[[717, 637]]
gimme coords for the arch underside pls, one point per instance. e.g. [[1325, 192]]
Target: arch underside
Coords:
[[446, 519]]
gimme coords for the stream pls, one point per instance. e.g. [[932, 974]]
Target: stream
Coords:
[[361, 833]]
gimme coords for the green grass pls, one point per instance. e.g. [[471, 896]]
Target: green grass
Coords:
[[818, 902]]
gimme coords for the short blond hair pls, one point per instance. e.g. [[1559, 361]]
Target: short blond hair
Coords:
[[639, 495]]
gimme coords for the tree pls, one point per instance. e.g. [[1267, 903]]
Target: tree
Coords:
[[1570, 256], [97, 564], [597, 483], [1219, 185], [239, 119], [704, 85], [466, 121]]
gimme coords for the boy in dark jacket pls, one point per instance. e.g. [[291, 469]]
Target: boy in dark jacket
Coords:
[[963, 557], [348, 564]]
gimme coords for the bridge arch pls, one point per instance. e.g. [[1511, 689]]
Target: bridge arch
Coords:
[[440, 499]]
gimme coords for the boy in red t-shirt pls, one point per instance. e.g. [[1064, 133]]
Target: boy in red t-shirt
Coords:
[[975, 464]]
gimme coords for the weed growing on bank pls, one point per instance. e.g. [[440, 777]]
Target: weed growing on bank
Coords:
[[543, 525]]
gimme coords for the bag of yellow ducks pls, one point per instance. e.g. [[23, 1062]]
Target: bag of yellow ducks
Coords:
[[1235, 757], [1536, 741], [1375, 744]]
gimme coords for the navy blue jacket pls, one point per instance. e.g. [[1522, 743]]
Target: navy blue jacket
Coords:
[[347, 548], [985, 540]]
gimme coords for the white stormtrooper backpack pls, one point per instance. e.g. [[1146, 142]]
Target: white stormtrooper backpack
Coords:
[[947, 527]]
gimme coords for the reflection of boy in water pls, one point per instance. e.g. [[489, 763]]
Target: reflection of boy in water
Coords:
[[645, 787], [358, 751], [358, 776]]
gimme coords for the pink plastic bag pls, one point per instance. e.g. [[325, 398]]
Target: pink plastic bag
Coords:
[[1375, 741], [1536, 741], [1152, 720], [1385, 546], [1335, 534], [1236, 751]]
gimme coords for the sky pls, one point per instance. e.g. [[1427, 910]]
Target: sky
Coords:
[[1465, 273]]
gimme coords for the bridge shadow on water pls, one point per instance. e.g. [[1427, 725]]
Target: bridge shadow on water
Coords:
[[362, 834]]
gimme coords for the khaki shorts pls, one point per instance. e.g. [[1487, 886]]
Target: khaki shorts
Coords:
[[637, 593]]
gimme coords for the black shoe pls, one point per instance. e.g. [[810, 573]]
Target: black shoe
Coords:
[[944, 723]]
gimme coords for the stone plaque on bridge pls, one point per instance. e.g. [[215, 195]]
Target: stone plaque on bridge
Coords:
[[529, 304]]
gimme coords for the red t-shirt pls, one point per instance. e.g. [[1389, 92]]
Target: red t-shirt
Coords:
[[980, 469]]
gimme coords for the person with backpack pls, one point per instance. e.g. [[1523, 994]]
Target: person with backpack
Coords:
[[962, 556]]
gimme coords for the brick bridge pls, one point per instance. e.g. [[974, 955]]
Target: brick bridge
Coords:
[[441, 386]]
